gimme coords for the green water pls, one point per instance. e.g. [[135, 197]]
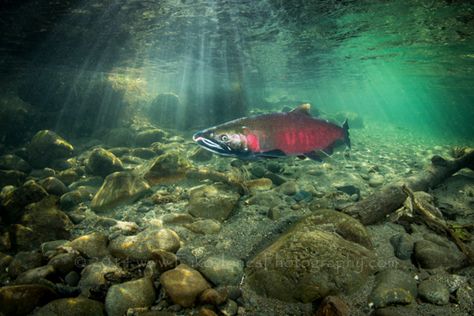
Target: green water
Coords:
[[408, 64]]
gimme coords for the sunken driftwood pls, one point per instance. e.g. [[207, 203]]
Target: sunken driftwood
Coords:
[[427, 212], [379, 205]]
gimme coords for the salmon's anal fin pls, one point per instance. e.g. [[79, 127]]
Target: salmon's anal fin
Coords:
[[345, 128], [314, 156]]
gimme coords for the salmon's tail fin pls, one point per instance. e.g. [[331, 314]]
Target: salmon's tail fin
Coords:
[[345, 128]]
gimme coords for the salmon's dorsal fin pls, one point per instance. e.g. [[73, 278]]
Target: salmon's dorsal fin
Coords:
[[302, 109]]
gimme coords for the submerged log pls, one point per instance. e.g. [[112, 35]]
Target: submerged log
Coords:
[[379, 205]]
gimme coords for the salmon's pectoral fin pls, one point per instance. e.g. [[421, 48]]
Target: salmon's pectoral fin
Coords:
[[276, 153]]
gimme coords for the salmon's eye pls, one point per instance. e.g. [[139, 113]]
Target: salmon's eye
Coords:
[[224, 138]]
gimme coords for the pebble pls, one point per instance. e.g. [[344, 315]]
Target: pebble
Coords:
[[222, 270], [212, 201], [229, 308], [92, 245], [434, 292], [93, 275], [54, 186], [183, 285], [288, 188], [72, 278], [204, 226], [432, 255], [136, 293], [165, 260], [403, 245], [376, 180], [143, 245], [213, 296], [393, 287], [63, 263]]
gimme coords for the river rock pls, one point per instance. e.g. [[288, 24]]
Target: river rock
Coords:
[[436, 252], [11, 177], [148, 137], [22, 299], [92, 245], [403, 245], [47, 146], [229, 308], [70, 175], [24, 261], [333, 306], [119, 188], [393, 287], [63, 263], [13, 162], [73, 198], [222, 270], [102, 162], [325, 253], [213, 296], [35, 275], [93, 275], [260, 184], [200, 154], [376, 180], [136, 293], [144, 153], [166, 168], [204, 226], [434, 292], [54, 186], [46, 222], [143, 245], [212, 201], [14, 201], [73, 306], [183, 285], [288, 188]]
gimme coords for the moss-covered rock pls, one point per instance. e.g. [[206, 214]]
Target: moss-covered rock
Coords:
[[47, 146], [212, 201], [73, 306], [136, 293], [323, 254], [14, 201], [11, 177], [165, 168], [46, 222], [393, 287], [118, 188], [102, 162], [13, 162], [148, 137], [22, 299]]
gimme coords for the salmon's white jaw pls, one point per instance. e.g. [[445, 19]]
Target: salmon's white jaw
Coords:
[[225, 144]]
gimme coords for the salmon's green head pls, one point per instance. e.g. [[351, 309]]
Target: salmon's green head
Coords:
[[227, 140]]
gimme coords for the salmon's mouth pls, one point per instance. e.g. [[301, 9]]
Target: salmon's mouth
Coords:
[[202, 139]]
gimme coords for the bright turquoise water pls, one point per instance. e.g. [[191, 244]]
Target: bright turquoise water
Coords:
[[405, 63]]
